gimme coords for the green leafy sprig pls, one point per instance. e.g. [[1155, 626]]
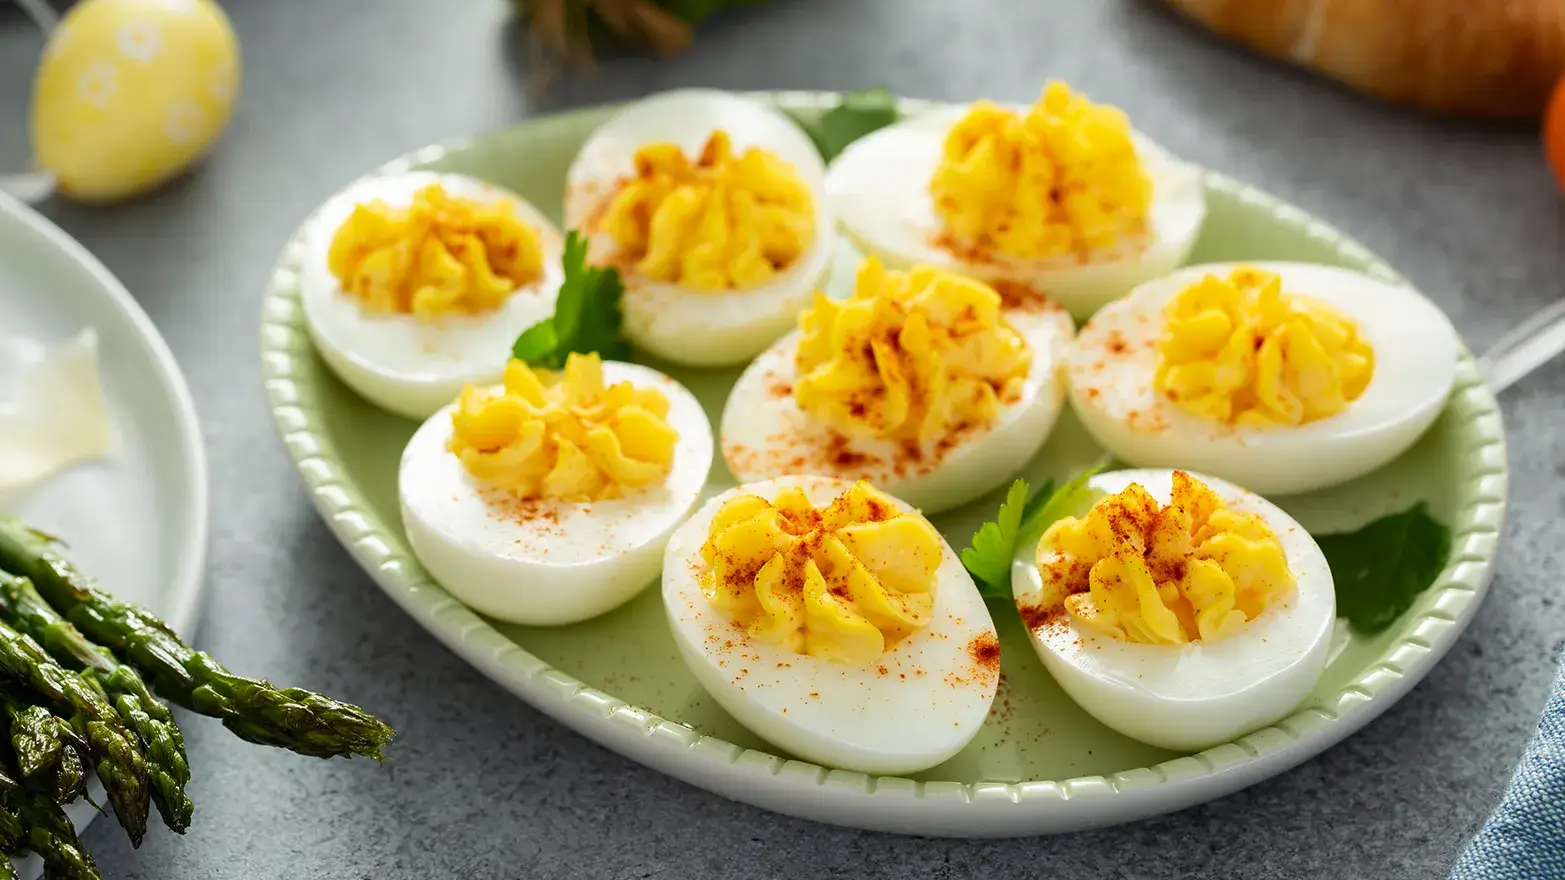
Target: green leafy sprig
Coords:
[[587, 314], [1381, 568], [988, 556], [854, 116]]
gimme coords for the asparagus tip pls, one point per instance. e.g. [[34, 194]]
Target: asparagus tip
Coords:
[[174, 806]]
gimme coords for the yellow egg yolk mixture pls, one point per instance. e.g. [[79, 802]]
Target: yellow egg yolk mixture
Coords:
[[1239, 350], [843, 582], [1061, 179], [1191, 570], [564, 435], [440, 256], [911, 356], [724, 222]]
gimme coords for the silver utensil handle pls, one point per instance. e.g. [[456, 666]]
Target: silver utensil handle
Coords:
[[29, 188], [41, 12], [1524, 348], [32, 187]]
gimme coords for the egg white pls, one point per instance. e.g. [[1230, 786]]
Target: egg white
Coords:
[[400, 364], [925, 706], [1111, 365], [879, 188], [565, 561], [765, 434], [700, 328], [1193, 696]]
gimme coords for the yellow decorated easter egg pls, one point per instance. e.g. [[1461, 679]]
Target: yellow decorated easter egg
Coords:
[[132, 92]]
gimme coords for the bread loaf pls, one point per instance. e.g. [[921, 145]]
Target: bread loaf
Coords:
[[1495, 58]]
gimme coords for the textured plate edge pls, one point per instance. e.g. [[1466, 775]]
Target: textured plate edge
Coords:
[[981, 809]]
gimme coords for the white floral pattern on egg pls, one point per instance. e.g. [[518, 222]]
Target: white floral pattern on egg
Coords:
[[139, 40], [131, 92]]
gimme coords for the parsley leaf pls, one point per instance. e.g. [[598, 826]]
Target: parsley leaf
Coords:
[[988, 556], [1057, 503], [1035, 506], [1381, 568], [856, 115], [586, 315]]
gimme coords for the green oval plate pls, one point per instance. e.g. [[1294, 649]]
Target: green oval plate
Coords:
[[1040, 764]]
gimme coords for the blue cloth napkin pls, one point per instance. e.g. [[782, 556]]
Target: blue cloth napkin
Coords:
[[1525, 837]]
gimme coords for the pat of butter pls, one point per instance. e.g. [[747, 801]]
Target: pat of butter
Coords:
[[52, 409]]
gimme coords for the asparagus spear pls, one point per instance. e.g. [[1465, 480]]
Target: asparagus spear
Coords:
[[167, 769], [254, 710], [33, 735], [23, 608], [117, 755], [45, 830], [48, 751], [13, 835], [71, 779]]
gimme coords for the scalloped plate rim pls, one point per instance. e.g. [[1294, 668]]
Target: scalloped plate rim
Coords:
[[946, 809]]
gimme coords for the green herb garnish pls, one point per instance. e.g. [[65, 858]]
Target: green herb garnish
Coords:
[[988, 556], [586, 315], [856, 115], [1381, 568], [1057, 503]]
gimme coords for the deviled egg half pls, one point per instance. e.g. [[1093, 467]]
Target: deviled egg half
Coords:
[[1062, 197], [1281, 377], [713, 208], [833, 621], [549, 499], [416, 284], [926, 383], [1179, 610]]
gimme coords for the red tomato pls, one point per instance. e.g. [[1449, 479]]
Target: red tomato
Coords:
[[1554, 132]]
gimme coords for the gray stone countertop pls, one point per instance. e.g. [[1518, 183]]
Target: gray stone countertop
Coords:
[[482, 785]]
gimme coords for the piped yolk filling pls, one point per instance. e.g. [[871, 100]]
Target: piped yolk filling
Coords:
[[910, 356], [723, 222], [440, 256], [843, 582], [1063, 178], [1191, 570], [564, 435], [1239, 350]]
